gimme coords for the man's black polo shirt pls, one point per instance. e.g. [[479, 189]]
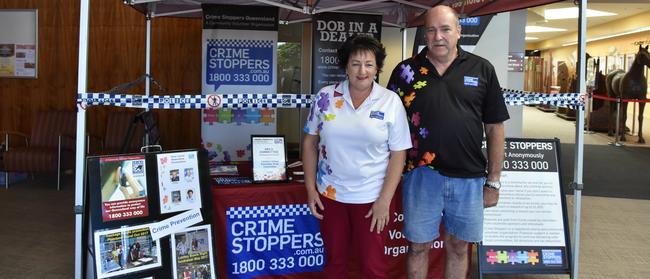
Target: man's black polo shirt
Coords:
[[446, 113]]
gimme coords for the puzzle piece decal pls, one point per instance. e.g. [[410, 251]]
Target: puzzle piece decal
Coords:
[[420, 84], [407, 73], [239, 116], [408, 99], [210, 116], [512, 257], [241, 153], [415, 119], [267, 116], [339, 103], [424, 132], [533, 257], [252, 116], [522, 257], [491, 256], [502, 257], [225, 116]]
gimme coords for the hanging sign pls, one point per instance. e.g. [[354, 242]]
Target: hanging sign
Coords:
[[239, 57], [330, 31]]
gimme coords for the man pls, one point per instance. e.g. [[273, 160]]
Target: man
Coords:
[[450, 96], [190, 195]]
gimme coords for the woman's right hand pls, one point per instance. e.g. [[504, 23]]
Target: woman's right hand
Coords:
[[313, 199]]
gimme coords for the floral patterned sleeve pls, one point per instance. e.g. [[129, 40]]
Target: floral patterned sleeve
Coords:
[[314, 121]]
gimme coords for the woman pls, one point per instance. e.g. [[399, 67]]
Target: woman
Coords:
[[353, 154]]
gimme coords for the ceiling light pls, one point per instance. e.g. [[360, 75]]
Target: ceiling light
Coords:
[[642, 29], [531, 38], [565, 13], [540, 29]]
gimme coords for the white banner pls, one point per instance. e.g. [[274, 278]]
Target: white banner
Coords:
[[175, 223], [239, 56]]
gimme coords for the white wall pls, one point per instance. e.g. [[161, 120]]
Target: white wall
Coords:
[[504, 34], [391, 38]]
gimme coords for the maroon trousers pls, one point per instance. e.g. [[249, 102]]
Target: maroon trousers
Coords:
[[343, 227]]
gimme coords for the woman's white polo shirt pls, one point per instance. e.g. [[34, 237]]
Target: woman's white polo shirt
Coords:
[[355, 145]]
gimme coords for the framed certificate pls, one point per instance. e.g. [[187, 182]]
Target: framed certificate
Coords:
[[269, 158]]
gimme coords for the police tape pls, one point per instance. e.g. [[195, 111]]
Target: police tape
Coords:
[[281, 100]]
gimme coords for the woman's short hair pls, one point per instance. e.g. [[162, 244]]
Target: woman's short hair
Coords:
[[361, 42]]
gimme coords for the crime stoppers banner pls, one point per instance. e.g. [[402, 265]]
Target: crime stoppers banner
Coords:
[[272, 240], [239, 56]]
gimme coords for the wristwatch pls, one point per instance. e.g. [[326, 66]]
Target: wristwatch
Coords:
[[496, 185]]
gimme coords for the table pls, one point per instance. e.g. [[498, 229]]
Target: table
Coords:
[[264, 216]]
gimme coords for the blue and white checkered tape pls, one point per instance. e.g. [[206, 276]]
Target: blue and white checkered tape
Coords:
[[241, 43], [518, 98], [280, 100], [266, 100], [266, 211], [212, 101]]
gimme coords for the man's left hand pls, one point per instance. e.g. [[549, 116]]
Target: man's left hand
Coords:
[[490, 197]]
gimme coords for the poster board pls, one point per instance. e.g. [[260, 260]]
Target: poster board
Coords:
[[18, 43], [330, 31], [116, 218], [527, 232]]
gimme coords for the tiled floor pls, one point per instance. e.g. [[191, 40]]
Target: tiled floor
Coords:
[[37, 224]]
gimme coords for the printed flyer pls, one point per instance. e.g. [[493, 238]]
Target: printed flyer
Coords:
[[192, 253], [125, 250], [124, 187], [179, 182]]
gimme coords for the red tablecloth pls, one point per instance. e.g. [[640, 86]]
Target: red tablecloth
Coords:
[[232, 196]]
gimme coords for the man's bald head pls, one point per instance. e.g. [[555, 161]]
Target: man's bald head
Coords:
[[438, 11]]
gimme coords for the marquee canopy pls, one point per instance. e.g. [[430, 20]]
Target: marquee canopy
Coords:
[[396, 13]]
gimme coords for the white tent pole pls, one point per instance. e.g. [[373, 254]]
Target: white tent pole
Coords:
[[80, 163], [579, 149], [147, 69], [404, 34]]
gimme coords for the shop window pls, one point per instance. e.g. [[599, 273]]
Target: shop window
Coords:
[[289, 58]]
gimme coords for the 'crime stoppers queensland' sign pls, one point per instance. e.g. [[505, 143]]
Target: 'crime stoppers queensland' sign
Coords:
[[239, 60], [272, 240]]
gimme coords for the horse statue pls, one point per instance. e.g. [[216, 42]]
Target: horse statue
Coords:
[[630, 85], [599, 86]]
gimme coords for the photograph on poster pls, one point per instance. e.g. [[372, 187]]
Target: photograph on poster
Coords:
[[192, 253], [269, 158], [123, 187], [178, 181], [125, 250]]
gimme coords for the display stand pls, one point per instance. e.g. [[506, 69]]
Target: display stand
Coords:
[[131, 199], [528, 231]]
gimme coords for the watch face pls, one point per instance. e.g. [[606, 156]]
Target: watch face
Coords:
[[494, 185]]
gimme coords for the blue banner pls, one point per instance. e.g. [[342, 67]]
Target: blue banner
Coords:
[[239, 62], [272, 240]]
